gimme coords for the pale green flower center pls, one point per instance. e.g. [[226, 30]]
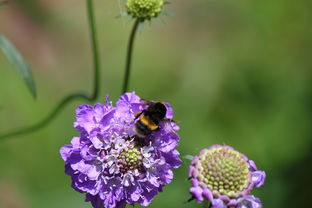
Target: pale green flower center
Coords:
[[130, 159], [223, 171]]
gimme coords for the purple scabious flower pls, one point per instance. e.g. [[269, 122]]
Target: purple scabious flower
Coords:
[[110, 164], [225, 177]]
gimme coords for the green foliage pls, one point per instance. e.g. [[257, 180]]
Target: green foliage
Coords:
[[18, 62]]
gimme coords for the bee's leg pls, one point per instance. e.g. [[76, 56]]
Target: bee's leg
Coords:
[[170, 120]]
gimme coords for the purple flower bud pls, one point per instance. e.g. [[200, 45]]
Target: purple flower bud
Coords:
[[111, 165], [249, 201], [224, 177], [217, 203], [258, 178]]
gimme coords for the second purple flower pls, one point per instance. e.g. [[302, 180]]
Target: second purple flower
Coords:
[[225, 178], [112, 165]]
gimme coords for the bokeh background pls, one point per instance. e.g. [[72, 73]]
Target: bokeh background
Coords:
[[236, 73]]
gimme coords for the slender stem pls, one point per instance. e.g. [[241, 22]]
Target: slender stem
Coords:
[[129, 55], [71, 97], [46, 120], [95, 51]]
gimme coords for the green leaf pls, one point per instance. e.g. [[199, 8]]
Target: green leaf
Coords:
[[18, 62]]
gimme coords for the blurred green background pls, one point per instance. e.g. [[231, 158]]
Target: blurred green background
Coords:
[[236, 72]]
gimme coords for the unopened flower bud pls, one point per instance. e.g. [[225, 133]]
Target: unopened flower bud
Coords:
[[144, 9]]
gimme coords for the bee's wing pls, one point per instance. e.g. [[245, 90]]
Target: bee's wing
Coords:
[[146, 103]]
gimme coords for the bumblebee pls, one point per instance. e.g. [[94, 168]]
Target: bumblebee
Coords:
[[150, 118]]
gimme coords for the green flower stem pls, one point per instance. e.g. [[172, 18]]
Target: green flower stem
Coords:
[[46, 120], [129, 55], [71, 97], [95, 51]]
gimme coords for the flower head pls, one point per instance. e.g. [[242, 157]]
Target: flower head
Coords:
[[144, 9], [111, 165], [225, 177]]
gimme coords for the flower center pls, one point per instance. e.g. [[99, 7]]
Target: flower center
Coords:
[[224, 171], [144, 9], [130, 159]]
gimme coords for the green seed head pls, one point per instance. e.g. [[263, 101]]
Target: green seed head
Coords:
[[144, 9], [223, 170], [130, 159]]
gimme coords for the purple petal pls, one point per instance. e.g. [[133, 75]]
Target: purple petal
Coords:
[[194, 182], [85, 118], [258, 178], [217, 203], [197, 192], [169, 113], [207, 194], [83, 184], [93, 172], [191, 170], [97, 143], [100, 111], [105, 121], [74, 158], [173, 158], [130, 97], [95, 200], [134, 194], [65, 152], [252, 165], [249, 201], [76, 143], [147, 195]]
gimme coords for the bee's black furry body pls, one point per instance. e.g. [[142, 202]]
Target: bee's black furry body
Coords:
[[150, 118]]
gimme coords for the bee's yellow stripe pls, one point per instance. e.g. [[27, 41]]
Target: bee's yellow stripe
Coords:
[[148, 123]]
